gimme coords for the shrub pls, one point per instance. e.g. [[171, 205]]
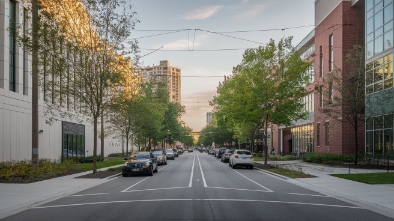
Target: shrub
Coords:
[[116, 155], [327, 157]]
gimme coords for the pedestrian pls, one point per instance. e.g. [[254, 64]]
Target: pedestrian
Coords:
[[273, 151]]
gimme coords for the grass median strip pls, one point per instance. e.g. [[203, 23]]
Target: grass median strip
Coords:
[[285, 172], [369, 178]]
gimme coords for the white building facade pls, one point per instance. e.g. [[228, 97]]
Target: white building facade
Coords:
[[65, 136]]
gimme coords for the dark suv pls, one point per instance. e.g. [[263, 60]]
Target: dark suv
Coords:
[[220, 152]]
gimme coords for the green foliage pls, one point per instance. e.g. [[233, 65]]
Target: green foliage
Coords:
[[265, 88], [23, 170], [282, 158], [116, 155], [369, 178], [327, 157]]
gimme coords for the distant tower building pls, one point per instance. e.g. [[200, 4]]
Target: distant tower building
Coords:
[[209, 117], [167, 73]]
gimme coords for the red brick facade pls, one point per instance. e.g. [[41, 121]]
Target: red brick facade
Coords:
[[345, 23]]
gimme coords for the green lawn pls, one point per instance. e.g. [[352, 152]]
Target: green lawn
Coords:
[[289, 173], [89, 166], [369, 178]]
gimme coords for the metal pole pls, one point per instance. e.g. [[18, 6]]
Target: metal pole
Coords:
[[35, 79]]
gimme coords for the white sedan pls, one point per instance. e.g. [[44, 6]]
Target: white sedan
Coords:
[[241, 158]]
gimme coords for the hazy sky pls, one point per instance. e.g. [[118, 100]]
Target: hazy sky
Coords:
[[195, 35]]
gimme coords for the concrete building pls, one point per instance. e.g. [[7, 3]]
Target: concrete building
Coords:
[[60, 135], [167, 73]]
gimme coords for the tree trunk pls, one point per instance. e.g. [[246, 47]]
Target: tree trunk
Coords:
[[102, 134], [356, 141], [95, 144], [265, 147]]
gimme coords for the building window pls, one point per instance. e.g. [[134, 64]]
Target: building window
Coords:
[[321, 96], [327, 134], [379, 26], [330, 92], [331, 54], [321, 61], [318, 134], [12, 30], [379, 74]]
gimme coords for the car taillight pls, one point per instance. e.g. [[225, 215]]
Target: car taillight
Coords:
[[236, 156]]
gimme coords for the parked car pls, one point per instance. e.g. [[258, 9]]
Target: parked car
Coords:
[[241, 158], [190, 149], [161, 158], [226, 155], [220, 152], [175, 152], [180, 151], [140, 163], [169, 154]]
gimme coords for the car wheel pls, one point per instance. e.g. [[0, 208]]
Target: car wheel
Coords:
[[151, 171], [233, 166], [229, 163], [251, 167], [155, 171], [165, 163], [124, 175]]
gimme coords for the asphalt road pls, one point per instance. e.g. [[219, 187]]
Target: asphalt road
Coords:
[[197, 186]]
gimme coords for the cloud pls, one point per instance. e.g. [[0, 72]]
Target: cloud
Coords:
[[249, 11], [204, 13]]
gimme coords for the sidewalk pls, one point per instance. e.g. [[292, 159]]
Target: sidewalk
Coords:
[[378, 198], [15, 198]]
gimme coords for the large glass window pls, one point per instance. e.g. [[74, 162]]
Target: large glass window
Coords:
[[73, 140], [379, 137], [302, 139], [379, 26], [379, 74]]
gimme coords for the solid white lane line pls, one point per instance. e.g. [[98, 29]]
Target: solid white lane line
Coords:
[[303, 194], [226, 188], [268, 190], [224, 200], [169, 188], [202, 173], [92, 194], [191, 175], [133, 185]]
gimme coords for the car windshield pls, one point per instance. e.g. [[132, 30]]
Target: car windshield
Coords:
[[140, 156], [157, 153], [244, 152], [230, 151], [169, 151]]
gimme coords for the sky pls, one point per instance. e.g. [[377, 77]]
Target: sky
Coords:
[[206, 39]]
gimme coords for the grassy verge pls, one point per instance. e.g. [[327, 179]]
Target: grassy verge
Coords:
[[289, 173], [115, 169], [369, 178], [285, 172], [89, 166], [276, 158]]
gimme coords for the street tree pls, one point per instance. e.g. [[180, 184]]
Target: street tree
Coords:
[[266, 88], [344, 94]]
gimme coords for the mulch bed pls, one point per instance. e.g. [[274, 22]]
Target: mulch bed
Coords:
[[29, 180], [99, 175]]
